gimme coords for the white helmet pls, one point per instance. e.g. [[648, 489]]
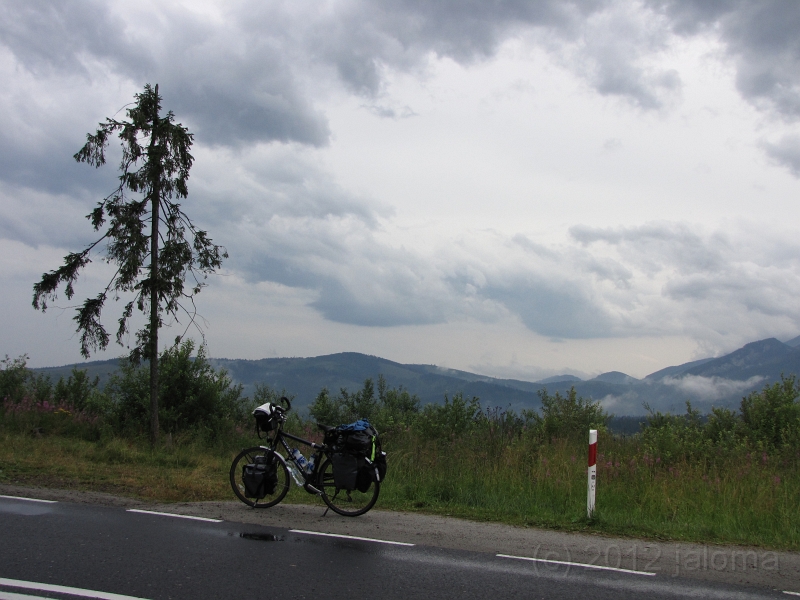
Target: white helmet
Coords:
[[265, 410]]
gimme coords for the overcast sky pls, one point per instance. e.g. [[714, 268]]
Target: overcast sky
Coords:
[[515, 188]]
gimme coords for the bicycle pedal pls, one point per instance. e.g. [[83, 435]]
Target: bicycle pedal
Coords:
[[313, 490]]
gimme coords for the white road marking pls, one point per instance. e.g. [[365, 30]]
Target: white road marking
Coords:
[[350, 537], [576, 564], [60, 589], [29, 499], [10, 596], [791, 593], [163, 514]]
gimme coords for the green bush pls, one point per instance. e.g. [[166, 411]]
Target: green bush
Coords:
[[452, 419], [671, 438], [193, 397], [392, 410], [723, 428], [770, 419], [565, 417], [13, 378]]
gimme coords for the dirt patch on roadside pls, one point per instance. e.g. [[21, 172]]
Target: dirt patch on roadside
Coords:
[[729, 564]]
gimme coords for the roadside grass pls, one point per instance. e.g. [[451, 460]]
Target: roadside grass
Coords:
[[744, 499], [179, 472], [114, 465]]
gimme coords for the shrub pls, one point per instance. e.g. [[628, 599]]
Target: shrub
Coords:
[[397, 408], [13, 378], [392, 409], [671, 438], [452, 419], [770, 419], [566, 417], [326, 410], [193, 396], [723, 428]]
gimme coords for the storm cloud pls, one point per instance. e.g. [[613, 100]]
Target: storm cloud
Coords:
[[549, 165]]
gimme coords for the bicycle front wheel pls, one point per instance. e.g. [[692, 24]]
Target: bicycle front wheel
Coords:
[[249, 456], [349, 503]]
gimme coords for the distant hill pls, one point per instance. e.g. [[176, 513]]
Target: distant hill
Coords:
[[675, 371], [305, 377], [794, 342], [708, 382], [721, 381], [615, 377], [95, 368], [768, 358]]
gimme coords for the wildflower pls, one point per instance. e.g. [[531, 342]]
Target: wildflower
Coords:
[[776, 480], [658, 459], [572, 458]]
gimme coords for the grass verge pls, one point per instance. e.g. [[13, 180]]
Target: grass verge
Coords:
[[749, 499]]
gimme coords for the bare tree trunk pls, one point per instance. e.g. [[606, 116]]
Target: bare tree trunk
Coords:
[[155, 199]]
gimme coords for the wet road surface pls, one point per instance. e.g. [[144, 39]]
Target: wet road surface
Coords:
[[63, 550]]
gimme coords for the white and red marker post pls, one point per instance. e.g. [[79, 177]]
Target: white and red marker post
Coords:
[[592, 472]]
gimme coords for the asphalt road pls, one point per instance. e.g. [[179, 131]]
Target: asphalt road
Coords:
[[64, 550]]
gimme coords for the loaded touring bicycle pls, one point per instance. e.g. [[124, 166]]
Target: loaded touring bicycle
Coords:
[[346, 470]]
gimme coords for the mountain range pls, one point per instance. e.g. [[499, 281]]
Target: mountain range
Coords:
[[721, 381]]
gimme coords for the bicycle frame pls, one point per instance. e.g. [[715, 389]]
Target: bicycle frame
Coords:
[[320, 450]]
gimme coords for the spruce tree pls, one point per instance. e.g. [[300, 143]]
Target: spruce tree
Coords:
[[161, 258]]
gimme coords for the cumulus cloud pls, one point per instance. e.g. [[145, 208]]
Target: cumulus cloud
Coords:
[[657, 279], [695, 281], [759, 36], [249, 72], [558, 309], [357, 279], [785, 152], [656, 246], [233, 85]]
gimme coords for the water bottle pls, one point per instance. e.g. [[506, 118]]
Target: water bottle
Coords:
[[300, 459], [298, 479], [310, 465]]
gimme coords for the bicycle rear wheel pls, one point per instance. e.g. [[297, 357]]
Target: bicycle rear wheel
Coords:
[[248, 456], [350, 503]]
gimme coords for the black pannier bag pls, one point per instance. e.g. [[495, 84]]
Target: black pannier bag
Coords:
[[345, 470], [260, 477], [360, 441], [371, 470]]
